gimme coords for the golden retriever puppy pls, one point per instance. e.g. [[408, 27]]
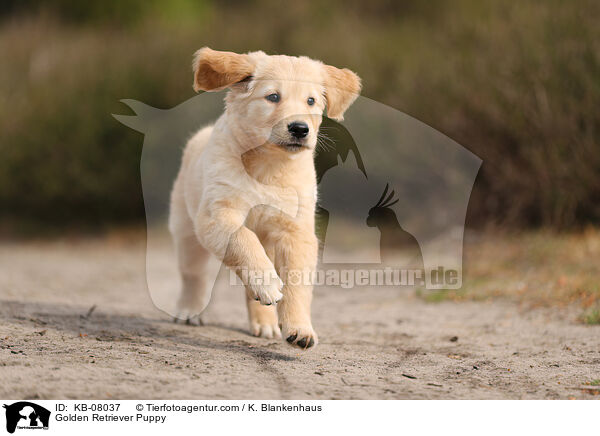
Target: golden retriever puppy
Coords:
[[246, 190]]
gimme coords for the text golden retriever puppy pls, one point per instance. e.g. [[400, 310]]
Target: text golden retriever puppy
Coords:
[[246, 190]]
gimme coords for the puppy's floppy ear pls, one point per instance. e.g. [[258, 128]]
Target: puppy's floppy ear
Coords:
[[342, 86], [215, 70]]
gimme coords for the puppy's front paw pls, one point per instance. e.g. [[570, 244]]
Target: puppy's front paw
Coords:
[[267, 290], [303, 337]]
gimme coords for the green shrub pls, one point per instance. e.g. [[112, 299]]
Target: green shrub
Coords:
[[515, 82]]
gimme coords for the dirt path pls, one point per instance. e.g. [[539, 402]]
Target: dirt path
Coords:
[[375, 344]]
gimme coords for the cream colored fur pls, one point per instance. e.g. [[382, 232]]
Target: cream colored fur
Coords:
[[245, 196]]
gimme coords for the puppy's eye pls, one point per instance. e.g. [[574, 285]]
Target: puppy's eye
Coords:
[[310, 101], [273, 98]]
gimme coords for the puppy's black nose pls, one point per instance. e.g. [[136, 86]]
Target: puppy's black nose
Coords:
[[298, 129]]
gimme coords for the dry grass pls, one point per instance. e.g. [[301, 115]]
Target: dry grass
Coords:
[[537, 269]]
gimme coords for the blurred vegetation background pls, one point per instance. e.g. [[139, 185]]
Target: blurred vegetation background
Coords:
[[517, 83]]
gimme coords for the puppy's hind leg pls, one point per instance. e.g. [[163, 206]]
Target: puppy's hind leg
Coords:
[[195, 293], [262, 318]]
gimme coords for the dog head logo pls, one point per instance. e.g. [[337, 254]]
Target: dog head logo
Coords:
[[377, 151], [26, 415]]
